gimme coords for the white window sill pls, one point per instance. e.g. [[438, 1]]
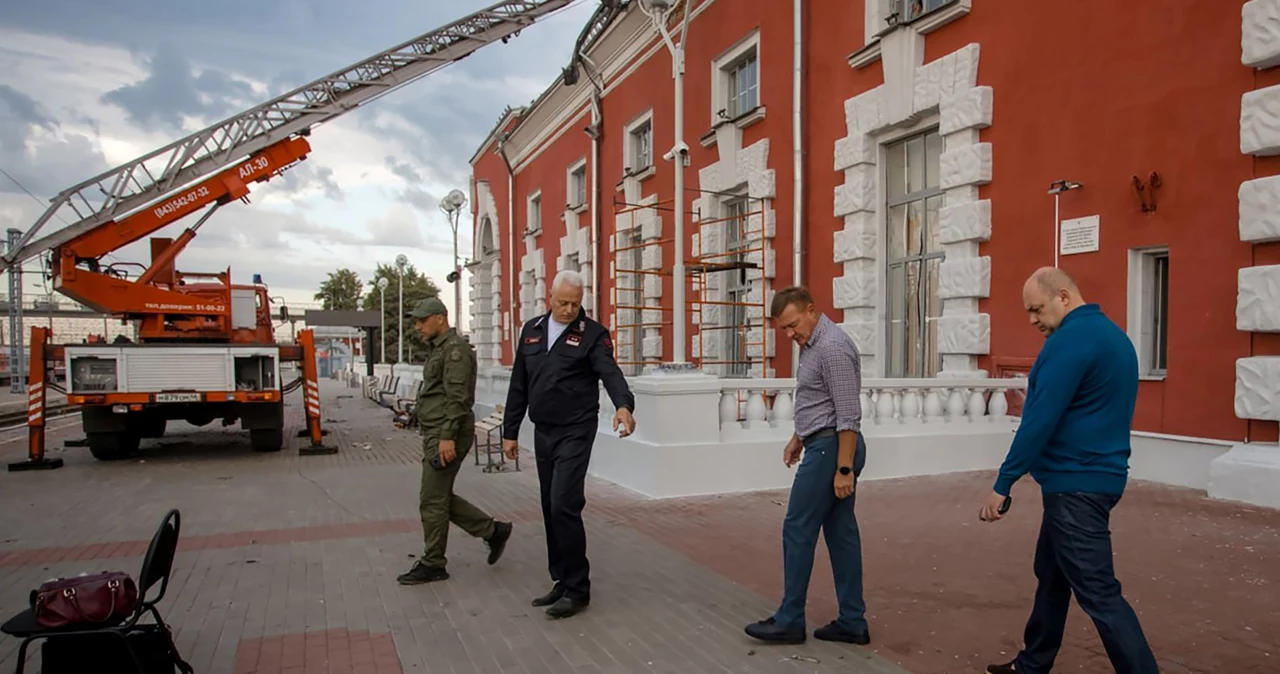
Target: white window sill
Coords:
[[923, 25], [742, 121], [642, 176], [1152, 377], [576, 208]]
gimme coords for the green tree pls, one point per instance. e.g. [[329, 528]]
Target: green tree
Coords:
[[341, 291], [417, 287]]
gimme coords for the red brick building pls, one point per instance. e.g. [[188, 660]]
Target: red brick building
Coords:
[[897, 157]]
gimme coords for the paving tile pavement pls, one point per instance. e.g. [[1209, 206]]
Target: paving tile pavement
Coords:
[[288, 563]]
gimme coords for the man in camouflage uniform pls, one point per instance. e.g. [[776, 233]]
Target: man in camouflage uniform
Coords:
[[447, 424]]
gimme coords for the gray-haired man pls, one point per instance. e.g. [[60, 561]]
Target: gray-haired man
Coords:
[[828, 417], [561, 359]]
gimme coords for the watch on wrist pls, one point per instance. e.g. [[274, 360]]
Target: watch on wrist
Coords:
[[845, 470]]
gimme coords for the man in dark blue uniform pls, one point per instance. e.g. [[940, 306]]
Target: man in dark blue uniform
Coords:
[[561, 358]]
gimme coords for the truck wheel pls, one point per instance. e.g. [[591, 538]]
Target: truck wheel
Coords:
[[113, 446], [267, 439]]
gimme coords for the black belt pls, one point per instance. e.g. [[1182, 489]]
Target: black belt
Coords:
[[820, 433]]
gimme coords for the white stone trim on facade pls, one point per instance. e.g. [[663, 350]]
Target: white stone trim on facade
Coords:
[[720, 80], [642, 213], [875, 13], [1257, 394], [485, 292], [575, 250], [533, 265], [916, 95], [738, 168], [629, 149], [1250, 471]]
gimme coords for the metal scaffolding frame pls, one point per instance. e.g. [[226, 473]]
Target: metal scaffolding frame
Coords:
[[629, 259], [747, 250], [743, 244]]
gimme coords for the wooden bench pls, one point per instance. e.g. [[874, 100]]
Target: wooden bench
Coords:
[[489, 440]]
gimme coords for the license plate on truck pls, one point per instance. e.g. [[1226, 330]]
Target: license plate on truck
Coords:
[[178, 397]]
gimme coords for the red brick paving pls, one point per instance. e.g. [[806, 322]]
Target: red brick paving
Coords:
[[336, 651], [946, 593], [234, 539]]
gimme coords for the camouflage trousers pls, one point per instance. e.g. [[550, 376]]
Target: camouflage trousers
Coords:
[[439, 506]]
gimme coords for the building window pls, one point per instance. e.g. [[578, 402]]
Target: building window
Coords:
[[914, 256], [630, 293], [909, 10], [737, 289], [1149, 309], [743, 93], [577, 187], [535, 214], [642, 147]]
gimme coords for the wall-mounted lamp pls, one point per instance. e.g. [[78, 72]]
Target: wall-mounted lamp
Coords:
[[1147, 191], [1056, 188]]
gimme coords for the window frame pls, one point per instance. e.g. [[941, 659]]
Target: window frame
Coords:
[[631, 151], [723, 76], [737, 287], [576, 185], [533, 215], [1148, 310], [893, 350]]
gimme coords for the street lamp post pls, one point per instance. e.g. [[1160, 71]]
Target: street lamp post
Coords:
[[658, 11], [452, 206], [382, 311], [401, 261]]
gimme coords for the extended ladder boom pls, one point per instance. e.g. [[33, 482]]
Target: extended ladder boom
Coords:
[[148, 178]]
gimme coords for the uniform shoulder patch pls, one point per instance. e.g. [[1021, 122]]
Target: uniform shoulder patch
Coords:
[[456, 354], [608, 341]]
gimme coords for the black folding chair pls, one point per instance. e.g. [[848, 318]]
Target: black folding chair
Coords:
[[155, 569]]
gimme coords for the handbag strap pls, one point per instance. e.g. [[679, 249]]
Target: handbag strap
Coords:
[[113, 586]]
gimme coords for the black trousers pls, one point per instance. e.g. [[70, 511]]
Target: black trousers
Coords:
[[1073, 556], [562, 454]]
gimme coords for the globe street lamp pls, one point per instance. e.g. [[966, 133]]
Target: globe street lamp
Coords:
[[452, 206], [382, 307], [401, 261], [658, 11]]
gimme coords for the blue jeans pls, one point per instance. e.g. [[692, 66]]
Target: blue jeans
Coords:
[[813, 506], [1073, 555]]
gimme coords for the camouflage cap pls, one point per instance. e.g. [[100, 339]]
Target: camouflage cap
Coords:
[[429, 307]]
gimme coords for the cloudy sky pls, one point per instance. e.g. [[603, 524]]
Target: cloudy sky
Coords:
[[86, 85]]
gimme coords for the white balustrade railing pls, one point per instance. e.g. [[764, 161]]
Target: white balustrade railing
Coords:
[[770, 403]]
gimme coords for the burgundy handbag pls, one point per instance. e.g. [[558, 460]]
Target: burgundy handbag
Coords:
[[105, 597]]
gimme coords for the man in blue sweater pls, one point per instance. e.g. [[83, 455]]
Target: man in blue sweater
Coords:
[[1074, 440]]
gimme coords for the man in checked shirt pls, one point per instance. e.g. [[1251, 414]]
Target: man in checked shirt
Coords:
[[828, 417]]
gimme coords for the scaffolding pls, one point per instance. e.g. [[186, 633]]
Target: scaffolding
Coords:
[[728, 313], [737, 258], [632, 310]]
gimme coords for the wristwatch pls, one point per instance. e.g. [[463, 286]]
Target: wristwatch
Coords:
[[845, 470]]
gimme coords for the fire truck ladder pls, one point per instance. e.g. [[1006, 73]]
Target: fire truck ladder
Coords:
[[144, 181], [139, 182]]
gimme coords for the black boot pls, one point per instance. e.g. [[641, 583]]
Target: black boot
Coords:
[[769, 631], [549, 598], [421, 573], [497, 541], [834, 632], [567, 606]]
